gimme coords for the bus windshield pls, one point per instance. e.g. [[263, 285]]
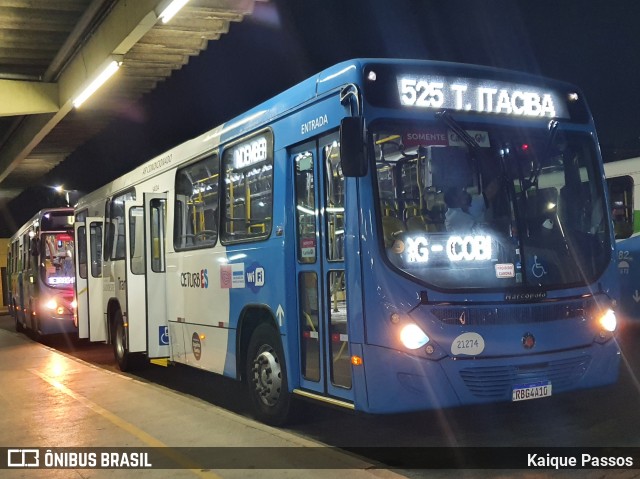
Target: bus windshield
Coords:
[[56, 260], [491, 206]]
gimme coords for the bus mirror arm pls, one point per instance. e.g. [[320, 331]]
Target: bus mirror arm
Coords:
[[352, 147]]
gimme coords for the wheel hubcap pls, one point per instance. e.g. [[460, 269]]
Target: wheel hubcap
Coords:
[[267, 377]]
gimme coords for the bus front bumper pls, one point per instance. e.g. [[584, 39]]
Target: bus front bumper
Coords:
[[400, 382]]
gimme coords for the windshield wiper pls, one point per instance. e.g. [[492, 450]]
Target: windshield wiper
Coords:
[[445, 117], [553, 132]]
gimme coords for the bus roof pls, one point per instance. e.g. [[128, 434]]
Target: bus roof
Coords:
[[629, 166], [38, 217], [325, 81]]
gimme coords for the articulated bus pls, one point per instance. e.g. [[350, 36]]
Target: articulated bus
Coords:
[[40, 268], [303, 246], [623, 180]]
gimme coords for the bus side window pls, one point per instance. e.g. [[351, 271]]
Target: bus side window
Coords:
[[25, 252], [621, 206], [136, 240], [197, 204], [82, 252], [107, 232], [248, 189], [305, 207], [120, 238], [335, 188], [117, 219], [95, 233]]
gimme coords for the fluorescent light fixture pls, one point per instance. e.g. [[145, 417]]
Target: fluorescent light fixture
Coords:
[[109, 70], [173, 8]]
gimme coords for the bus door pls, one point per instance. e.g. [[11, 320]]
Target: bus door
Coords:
[[155, 209], [88, 262], [135, 280], [325, 364]]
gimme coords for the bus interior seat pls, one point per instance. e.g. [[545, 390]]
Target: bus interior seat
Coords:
[[389, 207], [411, 208], [416, 224], [209, 231], [413, 216]]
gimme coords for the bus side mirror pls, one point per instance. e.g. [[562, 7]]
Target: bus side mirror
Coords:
[[34, 248], [352, 147]]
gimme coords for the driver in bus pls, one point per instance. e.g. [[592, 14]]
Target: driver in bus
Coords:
[[458, 217]]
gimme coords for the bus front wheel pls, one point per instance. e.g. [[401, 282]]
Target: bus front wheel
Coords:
[[266, 376], [119, 341]]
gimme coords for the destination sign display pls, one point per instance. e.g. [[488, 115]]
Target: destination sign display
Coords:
[[479, 95], [250, 153]]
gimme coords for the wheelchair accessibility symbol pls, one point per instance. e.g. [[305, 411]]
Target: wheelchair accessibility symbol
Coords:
[[164, 335], [537, 269]]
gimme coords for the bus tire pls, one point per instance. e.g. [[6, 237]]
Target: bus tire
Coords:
[[266, 376], [35, 329], [19, 325], [119, 342], [16, 317]]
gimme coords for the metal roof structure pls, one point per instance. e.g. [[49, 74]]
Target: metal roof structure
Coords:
[[50, 50]]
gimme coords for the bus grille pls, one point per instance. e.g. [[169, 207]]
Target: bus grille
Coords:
[[515, 314], [497, 382]]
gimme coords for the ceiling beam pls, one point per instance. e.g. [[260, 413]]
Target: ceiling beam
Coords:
[[125, 24], [27, 98]]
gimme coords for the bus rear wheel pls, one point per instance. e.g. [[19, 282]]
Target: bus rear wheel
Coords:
[[266, 376]]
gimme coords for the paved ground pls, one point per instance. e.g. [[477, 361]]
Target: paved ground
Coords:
[[51, 400]]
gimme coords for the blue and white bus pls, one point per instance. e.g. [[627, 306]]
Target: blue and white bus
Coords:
[[303, 246], [41, 273]]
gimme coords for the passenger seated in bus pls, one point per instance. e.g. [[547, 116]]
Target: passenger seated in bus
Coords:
[[458, 217]]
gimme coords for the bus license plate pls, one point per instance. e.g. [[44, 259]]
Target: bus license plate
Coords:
[[523, 392]]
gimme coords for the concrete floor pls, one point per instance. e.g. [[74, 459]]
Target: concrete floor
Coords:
[[50, 400]]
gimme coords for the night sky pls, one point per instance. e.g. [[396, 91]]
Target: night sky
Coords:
[[594, 44]]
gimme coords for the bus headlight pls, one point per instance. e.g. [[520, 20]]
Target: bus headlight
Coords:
[[608, 321], [52, 304], [413, 337]]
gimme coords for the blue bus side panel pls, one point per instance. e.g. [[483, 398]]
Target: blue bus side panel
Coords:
[[260, 278], [629, 268]]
